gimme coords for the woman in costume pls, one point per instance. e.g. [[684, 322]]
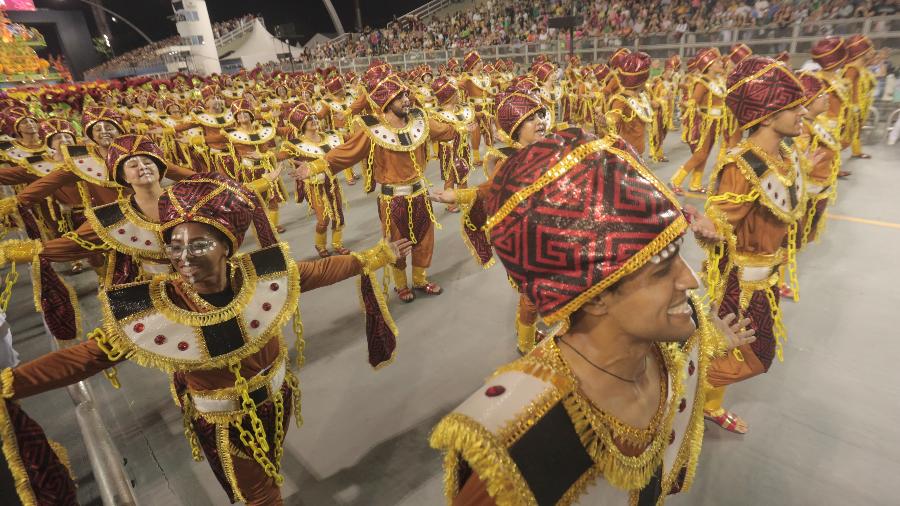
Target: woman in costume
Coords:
[[216, 325]]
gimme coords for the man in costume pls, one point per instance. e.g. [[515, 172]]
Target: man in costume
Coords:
[[703, 118], [630, 112], [455, 157], [393, 148], [338, 103], [862, 85], [830, 54], [216, 325], [664, 90], [478, 91], [757, 201], [608, 410], [822, 147], [322, 192]]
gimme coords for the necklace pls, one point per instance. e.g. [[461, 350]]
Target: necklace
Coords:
[[614, 375]]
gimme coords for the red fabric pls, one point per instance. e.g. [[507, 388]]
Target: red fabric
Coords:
[[774, 90], [830, 52]]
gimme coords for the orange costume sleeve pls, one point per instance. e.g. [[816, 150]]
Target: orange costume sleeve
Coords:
[[59, 369], [354, 149], [441, 132], [327, 271], [360, 105], [64, 249], [177, 172], [45, 186], [14, 174]]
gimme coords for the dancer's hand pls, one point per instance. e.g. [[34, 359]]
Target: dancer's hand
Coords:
[[735, 332], [275, 173], [401, 247], [442, 196], [704, 229], [301, 172]]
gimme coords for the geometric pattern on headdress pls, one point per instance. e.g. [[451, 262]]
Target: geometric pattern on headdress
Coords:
[[634, 69], [514, 108], [217, 201], [572, 214], [385, 90], [92, 115], [472, 58], [126, 146], [443, 89], [759, 87], [52, 126], [830, 52], [706, 57], [858, 46], [738, 52]]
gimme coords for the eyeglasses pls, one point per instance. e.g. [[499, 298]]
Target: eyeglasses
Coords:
[[194, 249]]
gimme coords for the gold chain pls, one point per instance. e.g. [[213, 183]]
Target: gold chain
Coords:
[[736, 198], [248, 406], [87, 245], [792, 259], [10, 280]]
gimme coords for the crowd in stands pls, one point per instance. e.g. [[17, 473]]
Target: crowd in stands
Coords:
[[146, 55], [493, 22]]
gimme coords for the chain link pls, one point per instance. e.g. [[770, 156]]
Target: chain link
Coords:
[[248, 406], [9, 281], [87, 245]]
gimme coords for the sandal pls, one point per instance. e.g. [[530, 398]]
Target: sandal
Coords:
[[352, 181], [726, 419], [452, 209], [405, 294], [862, 156], [698, 190], [323, 252], [844, 173], [280, 229], [340, 250], [676, 189], [430, 289], [77, 267], [786, 292]]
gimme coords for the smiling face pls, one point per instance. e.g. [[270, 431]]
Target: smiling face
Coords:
[[244, 118], [103, 133], [199, 255], [216, 105], [60, 139], [787, 123], [311, 126], [140, 170], [658, 292]]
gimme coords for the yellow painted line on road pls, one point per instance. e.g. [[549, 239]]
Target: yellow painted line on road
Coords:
[[839, 217]]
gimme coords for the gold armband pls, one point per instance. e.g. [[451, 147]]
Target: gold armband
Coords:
[[466, 196], [259, 185], [375, 258], [20, 251], [318, 166]]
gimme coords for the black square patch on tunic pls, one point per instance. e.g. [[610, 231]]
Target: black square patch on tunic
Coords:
[[222, 338]]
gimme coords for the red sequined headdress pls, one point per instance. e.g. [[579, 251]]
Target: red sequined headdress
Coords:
[[813, 86], [830, 52], [299, 115], [706, 57], [443, 89], [91, 115], [514, 108], [759, 87], [472, 58], [858, 46], [382, 92], [572, 214], [739, 52], [219, 202], [634, 69], [53, 126]]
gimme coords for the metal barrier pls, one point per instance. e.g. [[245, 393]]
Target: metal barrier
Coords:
[[796, 39]]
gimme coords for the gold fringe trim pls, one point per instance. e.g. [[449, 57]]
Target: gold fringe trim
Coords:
[[385, 312], [223, 447], [463, 438], [63, 455], [6, 383], [14, 459]]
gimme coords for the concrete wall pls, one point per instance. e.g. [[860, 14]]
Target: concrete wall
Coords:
[[74, 36]]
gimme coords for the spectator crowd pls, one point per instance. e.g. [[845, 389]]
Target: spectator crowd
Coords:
[[493, 22]]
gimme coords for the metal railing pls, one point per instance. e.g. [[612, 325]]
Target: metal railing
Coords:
[[796, 39], [243, 27]]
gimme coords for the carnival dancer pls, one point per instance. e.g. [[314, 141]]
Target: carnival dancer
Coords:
[[216, 325], [322, 192], [521, 121], [857, 75], [732, 131], [478, 91], [703, 119], [393, 147], [664, 90], [830, 54], [455, 156], [757, 199], [338, 103], [630, 111], [822, 147], [609, 410]]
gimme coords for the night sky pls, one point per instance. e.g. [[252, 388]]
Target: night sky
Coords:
[[309, 16]]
